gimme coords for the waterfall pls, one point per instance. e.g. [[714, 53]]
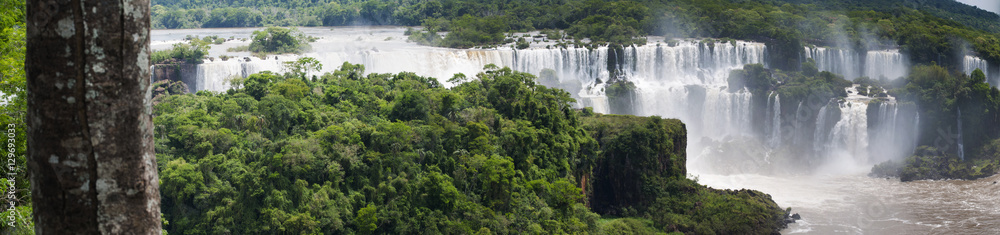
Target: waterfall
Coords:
[[839, 61], [776, 122], [215, 76], [801, 116], [688, 82], [961, 145], [885, 63], [821, 132], [971, 63], [892, 135], [890, 64], [850, 135]]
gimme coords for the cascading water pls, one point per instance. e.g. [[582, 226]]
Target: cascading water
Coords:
[[775, 140], [839, 61], [821, 132], [889, 64], [971, 63], [892, 135], [961, 145], [849, 137], [688, 82]]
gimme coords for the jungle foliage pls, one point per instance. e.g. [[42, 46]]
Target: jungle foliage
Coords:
[[351, 152]]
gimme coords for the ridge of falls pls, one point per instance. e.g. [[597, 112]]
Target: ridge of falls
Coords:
[[874, 64], [686, 80]]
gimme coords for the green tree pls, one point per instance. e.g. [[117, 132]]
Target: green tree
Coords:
[[257, 85], [366, 221], [299, 68], [278, 40]]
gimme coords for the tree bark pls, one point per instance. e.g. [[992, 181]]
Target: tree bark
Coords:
[[90, 143]]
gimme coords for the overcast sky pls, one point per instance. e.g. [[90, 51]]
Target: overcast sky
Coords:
[[989, 5]]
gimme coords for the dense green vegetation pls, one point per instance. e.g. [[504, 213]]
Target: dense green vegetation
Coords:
[[13, 111], [352, 152], [959, 12]]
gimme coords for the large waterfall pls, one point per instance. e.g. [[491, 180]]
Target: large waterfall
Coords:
[[688, 82], [685, 79]]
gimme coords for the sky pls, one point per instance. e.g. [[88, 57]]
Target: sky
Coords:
[[989, 5]]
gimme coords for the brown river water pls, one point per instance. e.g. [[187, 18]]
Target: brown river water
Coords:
[[858, 204]]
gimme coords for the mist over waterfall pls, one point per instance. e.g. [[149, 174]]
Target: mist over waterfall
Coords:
[[868, 131]]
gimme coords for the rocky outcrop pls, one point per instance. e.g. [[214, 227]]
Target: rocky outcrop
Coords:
[[641, 172], [185, 73]]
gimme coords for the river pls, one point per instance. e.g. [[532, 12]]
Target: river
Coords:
[[687, 80], [858, 204]]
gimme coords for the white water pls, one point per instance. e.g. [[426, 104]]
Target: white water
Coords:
[[886, 63], [961, 145], [821, 140], [688, 82], [848, 141], [971, 63], [839, 61], [875, 64], [775, 139]]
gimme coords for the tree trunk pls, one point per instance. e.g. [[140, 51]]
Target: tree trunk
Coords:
[[90, 142]]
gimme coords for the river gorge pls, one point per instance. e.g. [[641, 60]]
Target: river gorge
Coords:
[[810, 154]]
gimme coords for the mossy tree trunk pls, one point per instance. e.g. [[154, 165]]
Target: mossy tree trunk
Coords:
[[90, 146]]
